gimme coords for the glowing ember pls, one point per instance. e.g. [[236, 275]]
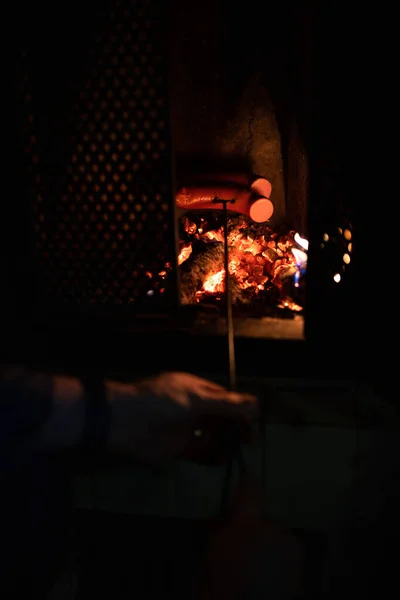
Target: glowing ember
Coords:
[[261, 261], [215, 236], [215, 283], [184, 254], [189, 226], [288, 303]]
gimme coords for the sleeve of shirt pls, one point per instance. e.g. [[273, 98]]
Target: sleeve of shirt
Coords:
[[46, 410]]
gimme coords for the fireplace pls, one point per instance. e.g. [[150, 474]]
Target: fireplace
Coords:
[[266, 267], [236, 137], [140, 131]]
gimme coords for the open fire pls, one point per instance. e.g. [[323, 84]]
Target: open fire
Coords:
[[266, 266]]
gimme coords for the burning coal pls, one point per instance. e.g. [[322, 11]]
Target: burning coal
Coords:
[[266, 267]]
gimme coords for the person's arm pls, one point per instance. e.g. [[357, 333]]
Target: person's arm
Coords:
[[48, 410], [151, 421]]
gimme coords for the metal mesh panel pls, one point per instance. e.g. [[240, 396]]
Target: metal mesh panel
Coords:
[[105, 230]]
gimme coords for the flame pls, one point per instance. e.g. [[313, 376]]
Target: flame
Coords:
[[301, 241], [215, 283], [300, 256]]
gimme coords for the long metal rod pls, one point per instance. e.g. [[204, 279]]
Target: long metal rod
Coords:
[[228, 300], [227, 481]]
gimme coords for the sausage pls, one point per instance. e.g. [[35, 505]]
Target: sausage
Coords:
[[261, 186], [203, 196], [260, 209]]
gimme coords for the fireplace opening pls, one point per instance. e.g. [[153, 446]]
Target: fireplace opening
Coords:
[[239, 110], [135, 141]]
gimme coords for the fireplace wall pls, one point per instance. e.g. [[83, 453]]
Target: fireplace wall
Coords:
[[221, 107]]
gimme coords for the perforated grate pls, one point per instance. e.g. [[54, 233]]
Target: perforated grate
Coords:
[[105, 229]]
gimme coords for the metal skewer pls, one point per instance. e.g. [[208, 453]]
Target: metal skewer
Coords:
[[233, 441], [228, 297]]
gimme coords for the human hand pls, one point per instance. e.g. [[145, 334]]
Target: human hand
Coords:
[[154, 420]]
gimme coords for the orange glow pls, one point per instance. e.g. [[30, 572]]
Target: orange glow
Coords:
[[189, 226], [184, 254], [256, 262], [215, 236], [215, 283]]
